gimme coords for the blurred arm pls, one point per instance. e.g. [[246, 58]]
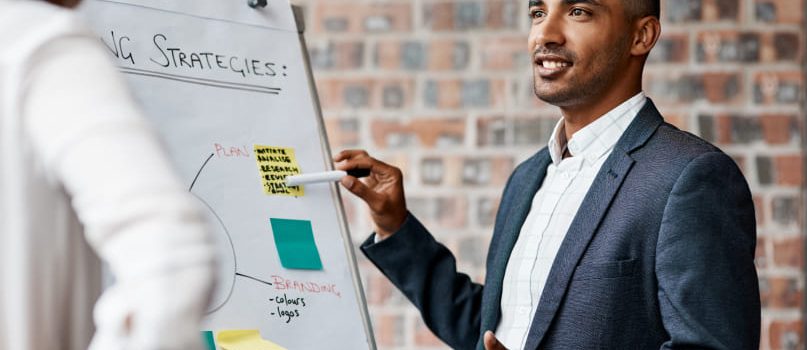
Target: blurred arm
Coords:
[[136, 213]]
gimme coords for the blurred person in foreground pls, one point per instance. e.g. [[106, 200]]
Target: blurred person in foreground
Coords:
[[83, 176], [623, 233]]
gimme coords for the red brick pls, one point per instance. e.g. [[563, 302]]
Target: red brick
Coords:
[[721, 10], [789, 252], [464, 171], [728, 46], [722, 87], [760, 255], [759, 208], [428, 133], [464, 15], [448, 54], [379, 289], [781, 293], [780, 11], [772, 88], [671, 48], [335, 94], [333, 16], [786, 335], [389, 329], [342, 133], [388, 55], [505, 53], [439, 16], [678, 88], [789, 170], [503, 14], [680, 121], [780, 129], [703, 11], [337, 55], [440, 212], [438, 54], [723, 129], [350, 208], [460, 93]]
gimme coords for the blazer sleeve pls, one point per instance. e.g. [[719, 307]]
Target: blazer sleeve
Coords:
[[426, 272], [707, 283]]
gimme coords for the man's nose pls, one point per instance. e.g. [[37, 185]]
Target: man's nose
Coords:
[[549, 32]]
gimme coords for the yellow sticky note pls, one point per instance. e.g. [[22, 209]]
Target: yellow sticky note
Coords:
[[244, 340], [274, 164]]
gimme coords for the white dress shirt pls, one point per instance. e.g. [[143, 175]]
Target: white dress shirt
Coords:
[[82, 176], [554, 206]]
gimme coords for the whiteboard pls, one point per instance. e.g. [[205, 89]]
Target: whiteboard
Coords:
[[229, 89]]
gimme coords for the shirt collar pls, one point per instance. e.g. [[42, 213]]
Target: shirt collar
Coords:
[[598, 137]]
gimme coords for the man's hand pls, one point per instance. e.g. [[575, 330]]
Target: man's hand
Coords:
[[491, 343], [382, 190]]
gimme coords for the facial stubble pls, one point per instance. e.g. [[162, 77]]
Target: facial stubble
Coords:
[[583, 86]]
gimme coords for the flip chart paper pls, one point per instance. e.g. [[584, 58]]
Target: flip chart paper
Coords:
[[245, 340], [215, 79], [295, 244]]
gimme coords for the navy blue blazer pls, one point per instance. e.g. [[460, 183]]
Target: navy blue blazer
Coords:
[[659, 256]]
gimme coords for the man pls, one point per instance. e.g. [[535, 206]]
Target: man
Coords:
[[623, 233]]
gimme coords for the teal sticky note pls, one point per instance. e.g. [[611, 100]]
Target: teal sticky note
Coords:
[[207, 338], [295, 244]]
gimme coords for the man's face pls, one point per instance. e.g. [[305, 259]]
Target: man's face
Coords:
[[578, 48]]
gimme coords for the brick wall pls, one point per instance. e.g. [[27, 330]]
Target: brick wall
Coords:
[[442, 89]]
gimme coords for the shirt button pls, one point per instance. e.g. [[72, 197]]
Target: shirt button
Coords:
[[523, 310]]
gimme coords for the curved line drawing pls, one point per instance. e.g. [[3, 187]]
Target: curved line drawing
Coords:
[[235, 273], [215, 308], [199, 172]]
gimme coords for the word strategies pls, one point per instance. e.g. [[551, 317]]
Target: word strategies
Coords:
[[287, 308], [274, 164], [161, 50]]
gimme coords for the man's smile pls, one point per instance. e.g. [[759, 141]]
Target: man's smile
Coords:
[[550, 66]]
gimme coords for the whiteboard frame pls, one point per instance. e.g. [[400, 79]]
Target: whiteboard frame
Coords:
[[335, 193]]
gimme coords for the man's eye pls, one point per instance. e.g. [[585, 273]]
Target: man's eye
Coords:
[[537, 14], [578, 12]]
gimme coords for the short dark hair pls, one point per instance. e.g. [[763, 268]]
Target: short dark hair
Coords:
[[643, 8]]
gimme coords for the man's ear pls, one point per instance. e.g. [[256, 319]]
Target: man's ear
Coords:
[[646, 33]]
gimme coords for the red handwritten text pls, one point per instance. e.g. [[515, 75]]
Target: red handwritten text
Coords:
[[281, 283], [227, 152]]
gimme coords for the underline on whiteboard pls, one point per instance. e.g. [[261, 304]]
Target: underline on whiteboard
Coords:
[[253, 278], [202, 81]]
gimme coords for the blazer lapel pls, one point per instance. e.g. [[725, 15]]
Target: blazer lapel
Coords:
[[525, 184], [584, 225]]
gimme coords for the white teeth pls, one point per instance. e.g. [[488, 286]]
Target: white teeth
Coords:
[[554, 64]]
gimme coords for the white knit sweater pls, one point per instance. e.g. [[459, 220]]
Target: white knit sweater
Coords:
[[82, 176]]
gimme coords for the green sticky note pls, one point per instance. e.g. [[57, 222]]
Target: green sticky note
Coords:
[[294, 240], [207, 338]]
